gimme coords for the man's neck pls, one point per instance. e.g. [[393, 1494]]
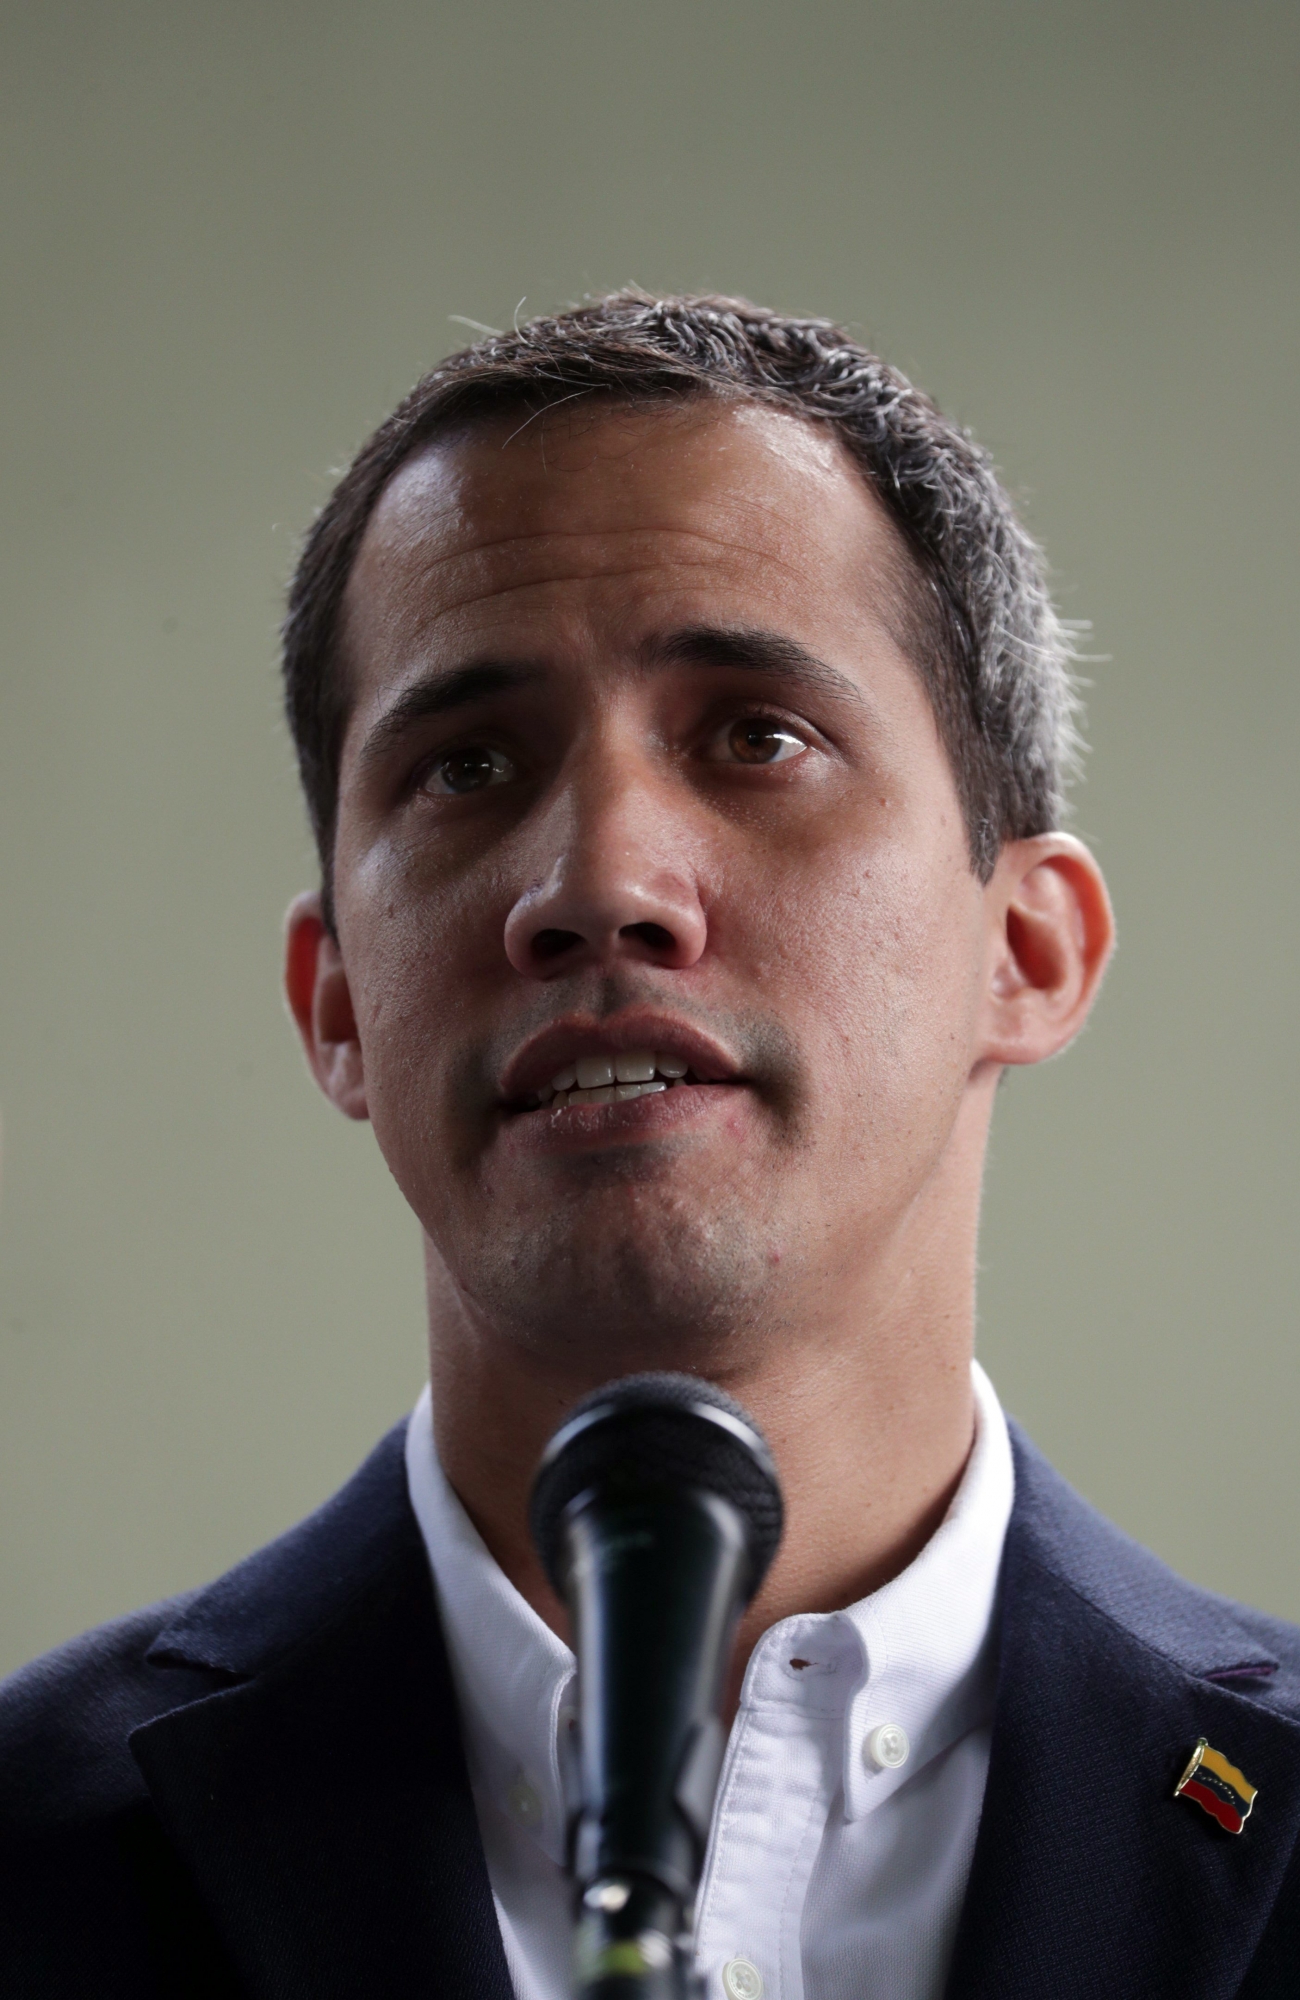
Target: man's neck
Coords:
[[870, 1418]]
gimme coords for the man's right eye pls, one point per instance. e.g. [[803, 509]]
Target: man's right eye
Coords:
[[468, 770]]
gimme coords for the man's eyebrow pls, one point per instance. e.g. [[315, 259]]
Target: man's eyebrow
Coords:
[[750, 648], [754, 650], [439, 694]]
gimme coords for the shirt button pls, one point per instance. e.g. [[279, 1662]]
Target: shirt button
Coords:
[[887, 1746], [742, 1979], [524, 1804]]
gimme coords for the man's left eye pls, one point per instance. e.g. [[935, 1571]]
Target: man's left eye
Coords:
[[468, 770], [756, 739]]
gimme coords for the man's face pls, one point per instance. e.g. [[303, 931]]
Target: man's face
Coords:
[[636, 766]]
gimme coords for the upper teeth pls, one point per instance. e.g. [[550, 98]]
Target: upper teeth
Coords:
[[604, 1079]]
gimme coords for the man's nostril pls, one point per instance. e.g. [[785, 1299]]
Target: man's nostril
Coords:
[[552, 944], [654, 935]]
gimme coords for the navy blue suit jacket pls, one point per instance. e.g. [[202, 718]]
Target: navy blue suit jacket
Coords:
[[258, 1790]]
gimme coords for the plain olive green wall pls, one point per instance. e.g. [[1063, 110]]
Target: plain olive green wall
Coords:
[[231, 237]]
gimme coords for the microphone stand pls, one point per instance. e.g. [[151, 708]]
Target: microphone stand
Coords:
[[655, 1590]]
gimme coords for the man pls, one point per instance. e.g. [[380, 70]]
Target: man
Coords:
[[683, 721]]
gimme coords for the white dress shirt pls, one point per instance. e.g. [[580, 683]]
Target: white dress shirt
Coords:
[[854, 1775]]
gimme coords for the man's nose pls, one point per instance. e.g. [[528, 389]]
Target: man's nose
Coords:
[[615, 883]]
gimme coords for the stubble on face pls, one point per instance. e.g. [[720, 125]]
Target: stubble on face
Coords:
[[642, 1253]]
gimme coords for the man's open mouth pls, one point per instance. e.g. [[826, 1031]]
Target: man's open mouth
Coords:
[[612, 1079]]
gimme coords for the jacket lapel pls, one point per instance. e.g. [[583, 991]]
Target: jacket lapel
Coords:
[[321, 1800], [1088, 1876]]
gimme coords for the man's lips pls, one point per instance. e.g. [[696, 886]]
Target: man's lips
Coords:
[[583, 1122], [578, 1045]]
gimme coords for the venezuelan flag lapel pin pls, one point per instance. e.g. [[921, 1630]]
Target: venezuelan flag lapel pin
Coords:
[[1217, 1787]]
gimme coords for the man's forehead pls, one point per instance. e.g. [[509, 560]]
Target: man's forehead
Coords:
[[555, 461], [523, 501]]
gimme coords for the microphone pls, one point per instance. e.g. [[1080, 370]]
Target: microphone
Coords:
[[656, 1511]]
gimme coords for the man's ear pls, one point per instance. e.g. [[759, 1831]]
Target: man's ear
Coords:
[[316, 988], [1050, 934]]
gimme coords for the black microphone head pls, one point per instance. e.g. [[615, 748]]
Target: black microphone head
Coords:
[[658, 1431]]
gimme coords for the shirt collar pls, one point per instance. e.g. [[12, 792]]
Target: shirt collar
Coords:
[[918, 1653], [928, 1637], [510, 1670]]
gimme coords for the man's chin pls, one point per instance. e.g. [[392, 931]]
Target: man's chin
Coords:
[[608, 1294]]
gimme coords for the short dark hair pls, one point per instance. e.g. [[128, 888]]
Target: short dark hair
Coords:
[[983, 634]]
